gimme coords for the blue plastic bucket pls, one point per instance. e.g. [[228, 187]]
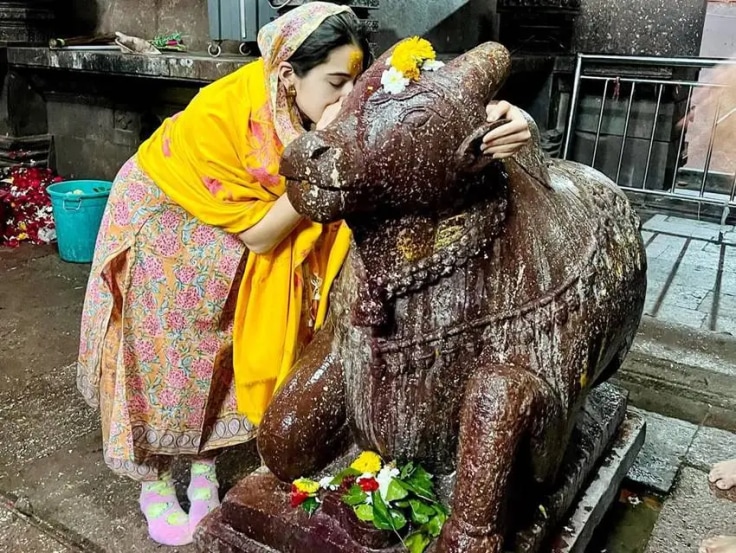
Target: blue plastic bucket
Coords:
[[78, 206]]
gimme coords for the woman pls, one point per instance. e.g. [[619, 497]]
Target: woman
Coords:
[[175, 300]]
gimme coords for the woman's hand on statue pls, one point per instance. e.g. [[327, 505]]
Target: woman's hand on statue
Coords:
[[506, 140], [328, 116]]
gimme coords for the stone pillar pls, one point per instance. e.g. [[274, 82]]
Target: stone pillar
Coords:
[[25, 21], [23, 136]]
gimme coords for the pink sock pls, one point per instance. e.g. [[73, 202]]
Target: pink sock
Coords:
[[168, 524], [203, 491]]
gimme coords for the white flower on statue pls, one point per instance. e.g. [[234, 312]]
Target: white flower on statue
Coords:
[[325, 483], [432, 65], [384, 477], [393, 81]]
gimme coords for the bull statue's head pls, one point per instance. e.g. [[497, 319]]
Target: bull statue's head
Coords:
[[407, 151]]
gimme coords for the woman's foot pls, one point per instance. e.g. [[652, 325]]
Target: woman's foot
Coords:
[[168, 524], [723, 474], [203, 491], [719, 544]]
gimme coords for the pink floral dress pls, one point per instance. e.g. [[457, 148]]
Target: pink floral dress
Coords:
[[156, 341]]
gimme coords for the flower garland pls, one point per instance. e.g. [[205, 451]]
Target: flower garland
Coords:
[[28, 215], [399, 498], [408, 60]]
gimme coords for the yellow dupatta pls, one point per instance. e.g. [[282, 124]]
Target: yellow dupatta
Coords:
[[219, 160]]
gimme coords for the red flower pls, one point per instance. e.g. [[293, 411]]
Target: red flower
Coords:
[[29, 217], [346, 483], [368, 485], [297, 497]]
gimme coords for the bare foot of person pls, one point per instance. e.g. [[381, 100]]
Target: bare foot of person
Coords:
[[719, 544], [723, 474]]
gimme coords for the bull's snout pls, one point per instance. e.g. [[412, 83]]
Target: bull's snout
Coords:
[[304, 160], [318, 151]]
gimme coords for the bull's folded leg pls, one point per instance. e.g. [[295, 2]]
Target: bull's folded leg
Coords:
[[304, 428], [502, 406]]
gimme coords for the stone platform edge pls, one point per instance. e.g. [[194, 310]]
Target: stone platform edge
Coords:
[[190, 66], [197, 67], [682, 373]]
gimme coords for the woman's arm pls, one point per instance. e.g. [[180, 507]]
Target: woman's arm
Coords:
[[282, 218], [273, 228]]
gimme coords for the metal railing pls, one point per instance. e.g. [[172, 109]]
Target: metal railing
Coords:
[[612, 71]]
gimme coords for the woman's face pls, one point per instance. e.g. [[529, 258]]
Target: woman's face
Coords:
[[327, 83]]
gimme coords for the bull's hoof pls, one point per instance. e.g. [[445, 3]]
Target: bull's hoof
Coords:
[[459, 537]]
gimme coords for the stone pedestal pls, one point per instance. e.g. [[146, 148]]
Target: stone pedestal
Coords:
[[27, 21], [256, 517]]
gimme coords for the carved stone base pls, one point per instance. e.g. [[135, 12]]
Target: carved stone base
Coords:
[[25, 150], [256, 516], [26, 21]]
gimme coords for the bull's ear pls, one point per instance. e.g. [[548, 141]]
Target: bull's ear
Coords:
[[469, 158]]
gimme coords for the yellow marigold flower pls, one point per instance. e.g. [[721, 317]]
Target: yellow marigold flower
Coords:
[[408, 56], [307, 486], [367, 462]]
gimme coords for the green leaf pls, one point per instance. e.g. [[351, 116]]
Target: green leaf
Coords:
[[310, 505], [417, 542], [343, 474], [406, 470], [395, 491], [403, 504], [364, 512], [434, 526], [355, 496], [420, 512], [420, 482], [381, 516], [385, 518], [398, 519], [440, 509]]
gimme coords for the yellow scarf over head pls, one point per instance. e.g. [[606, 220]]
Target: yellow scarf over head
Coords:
[[219, 160]]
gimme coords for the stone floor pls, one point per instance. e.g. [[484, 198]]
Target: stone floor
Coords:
[[692, 272], [674, 462], [56, 495]]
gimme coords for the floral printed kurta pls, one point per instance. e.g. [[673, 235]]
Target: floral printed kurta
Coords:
[[156, 339]]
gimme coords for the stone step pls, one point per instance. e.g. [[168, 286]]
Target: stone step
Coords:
[[682, 373]]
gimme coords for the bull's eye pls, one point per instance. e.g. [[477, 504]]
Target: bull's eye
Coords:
[[416, 117]]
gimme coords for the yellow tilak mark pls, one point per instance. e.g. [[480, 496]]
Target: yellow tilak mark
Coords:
[[356, 62]]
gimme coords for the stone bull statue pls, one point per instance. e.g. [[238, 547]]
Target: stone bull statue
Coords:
[[480, 303]]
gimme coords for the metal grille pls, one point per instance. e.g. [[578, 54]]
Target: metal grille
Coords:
[[625, 119], [240, 20]]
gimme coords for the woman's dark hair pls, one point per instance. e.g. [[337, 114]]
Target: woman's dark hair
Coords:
[[335, 31]]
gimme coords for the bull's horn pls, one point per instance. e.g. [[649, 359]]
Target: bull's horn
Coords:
[[481, 71]]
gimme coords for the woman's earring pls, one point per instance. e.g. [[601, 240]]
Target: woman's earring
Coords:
[[291, 92]]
